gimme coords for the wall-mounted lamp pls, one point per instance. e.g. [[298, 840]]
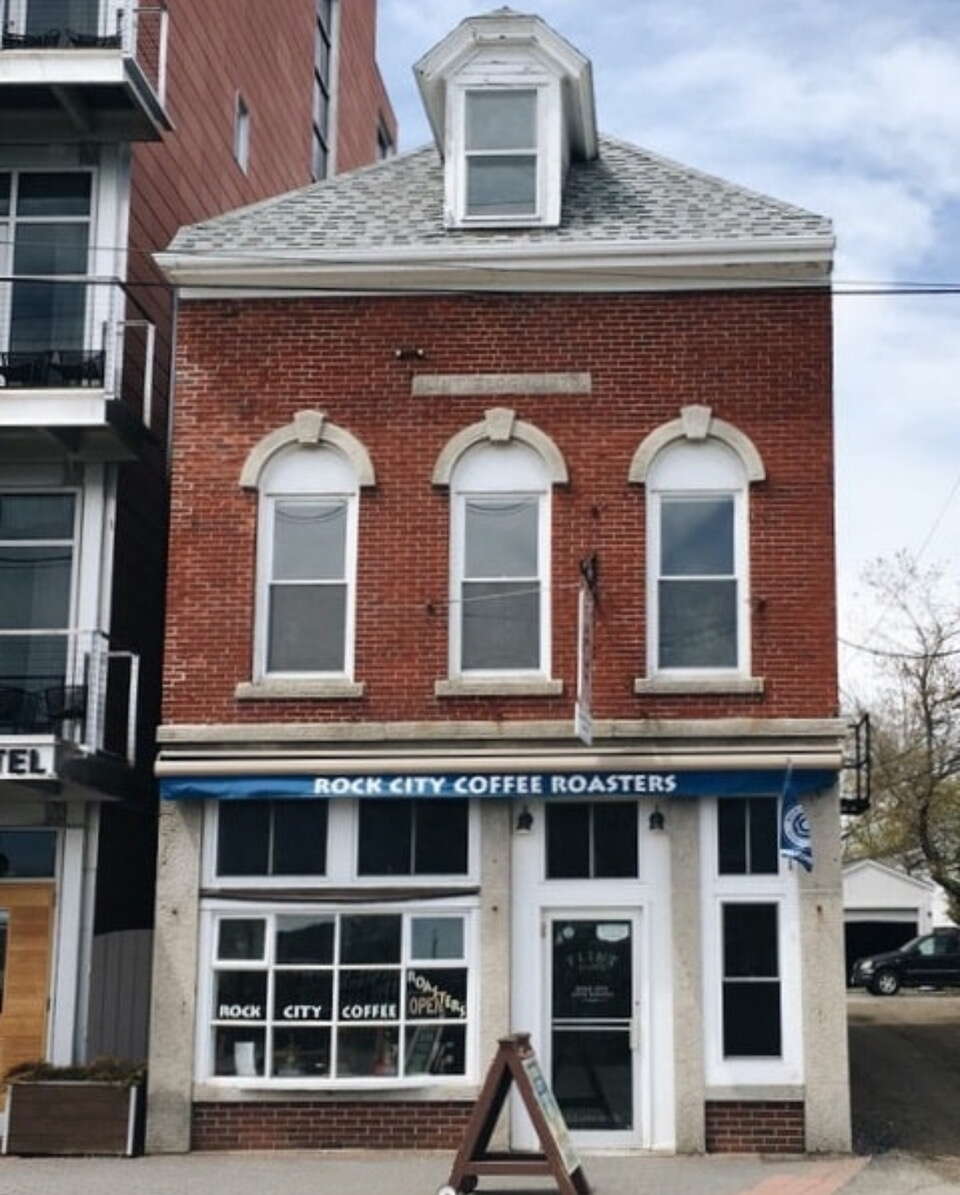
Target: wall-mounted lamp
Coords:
[[524, 821], [656, 820], [409, 352]]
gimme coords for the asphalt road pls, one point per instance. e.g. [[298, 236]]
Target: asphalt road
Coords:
[[905, 1076]]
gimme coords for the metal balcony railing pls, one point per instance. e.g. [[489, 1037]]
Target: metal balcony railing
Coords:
[[50, 347], [137, 30], [71, 684]]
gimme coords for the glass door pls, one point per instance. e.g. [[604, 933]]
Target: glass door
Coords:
[[594, 1023]]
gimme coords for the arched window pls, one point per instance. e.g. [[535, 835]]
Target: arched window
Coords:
[[697, 560], [697, 470], [500, 471], [500, 557], [307, 554], [308, 475]]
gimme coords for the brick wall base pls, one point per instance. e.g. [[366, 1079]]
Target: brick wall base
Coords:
[[764, 1126], [327, 1125]]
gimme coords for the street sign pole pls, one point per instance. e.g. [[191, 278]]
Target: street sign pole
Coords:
[[586, 614]]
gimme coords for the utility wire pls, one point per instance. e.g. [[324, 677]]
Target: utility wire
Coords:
[[353, 288], [898, 655], [927, 540]]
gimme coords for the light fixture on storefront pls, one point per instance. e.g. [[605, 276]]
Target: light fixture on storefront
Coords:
[[657, 819], [524, 821]]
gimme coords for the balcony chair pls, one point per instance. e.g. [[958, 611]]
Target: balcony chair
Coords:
[[77, 367], [65, 702], [31, 41], [91, 41], [19, 711], [24, 368]]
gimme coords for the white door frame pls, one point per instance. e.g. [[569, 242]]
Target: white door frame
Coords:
[[536, 975], [534, 898], [635, 1137]]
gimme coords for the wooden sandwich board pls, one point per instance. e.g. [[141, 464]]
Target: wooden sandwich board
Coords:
[[516, 1063]]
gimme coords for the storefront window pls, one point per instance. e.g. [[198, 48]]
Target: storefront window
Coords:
[[339, 996], [751, 981], [747, 836], [27, 854], [260, 838], [592, 840], [4, 919], [406, 837]]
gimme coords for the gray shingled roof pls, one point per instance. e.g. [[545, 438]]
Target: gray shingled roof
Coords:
[[626, 194]]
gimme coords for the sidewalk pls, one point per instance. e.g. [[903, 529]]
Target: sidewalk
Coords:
[[423, 1173]]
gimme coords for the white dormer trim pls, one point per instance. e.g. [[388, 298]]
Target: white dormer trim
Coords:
[[505, 52], [500, 32]]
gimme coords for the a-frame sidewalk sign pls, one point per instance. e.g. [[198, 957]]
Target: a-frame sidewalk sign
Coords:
[[516, 1062]]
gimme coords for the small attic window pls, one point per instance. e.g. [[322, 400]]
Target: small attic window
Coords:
[[501, 153]]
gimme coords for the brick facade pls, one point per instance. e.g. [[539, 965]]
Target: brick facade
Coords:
[[345, 1124], [362, 100], [217, 50], [763, 1126], [761, 360]]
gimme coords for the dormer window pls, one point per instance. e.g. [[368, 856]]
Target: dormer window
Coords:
[[501, 153], [511, 106]]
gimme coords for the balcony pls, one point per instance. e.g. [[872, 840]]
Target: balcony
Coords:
[[77, 366], [82, 70], [68, 713]]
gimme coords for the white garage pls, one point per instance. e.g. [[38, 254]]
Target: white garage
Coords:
[[883, 908]]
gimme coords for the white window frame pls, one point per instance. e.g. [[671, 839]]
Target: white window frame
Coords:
[[74, 647], [457, 559], [213, 910], [741, 552], [553, 881], [343, 840], [718, 890], [17, 16], [535, 151], [241, 133], [265, 540], [719, 875], [548, 148], [8, 239]]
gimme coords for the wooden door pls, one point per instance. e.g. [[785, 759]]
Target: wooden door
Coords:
[[28, 912]]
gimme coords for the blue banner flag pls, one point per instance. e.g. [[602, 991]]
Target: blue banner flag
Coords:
[[794, 827]]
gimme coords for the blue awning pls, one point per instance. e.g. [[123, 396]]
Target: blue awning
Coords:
[[511, 784]]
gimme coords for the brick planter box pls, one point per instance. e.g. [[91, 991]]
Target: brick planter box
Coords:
[[75, 1117]]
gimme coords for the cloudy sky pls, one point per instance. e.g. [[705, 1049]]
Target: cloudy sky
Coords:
[[847, 107]]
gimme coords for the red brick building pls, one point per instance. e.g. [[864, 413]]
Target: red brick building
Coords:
[[534, 355], [119, 122]]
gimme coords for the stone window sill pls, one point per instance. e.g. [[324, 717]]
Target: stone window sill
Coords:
[[280, 690], [696, 685], [456, 686]]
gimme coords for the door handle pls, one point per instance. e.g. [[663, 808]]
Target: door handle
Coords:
[[634, 1035]]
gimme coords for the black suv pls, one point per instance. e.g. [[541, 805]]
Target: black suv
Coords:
[[930, 961]]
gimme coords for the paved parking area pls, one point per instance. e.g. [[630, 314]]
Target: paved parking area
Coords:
[[905, 1073]]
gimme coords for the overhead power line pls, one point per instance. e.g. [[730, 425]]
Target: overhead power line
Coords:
[[889, 654], [354, 288]]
